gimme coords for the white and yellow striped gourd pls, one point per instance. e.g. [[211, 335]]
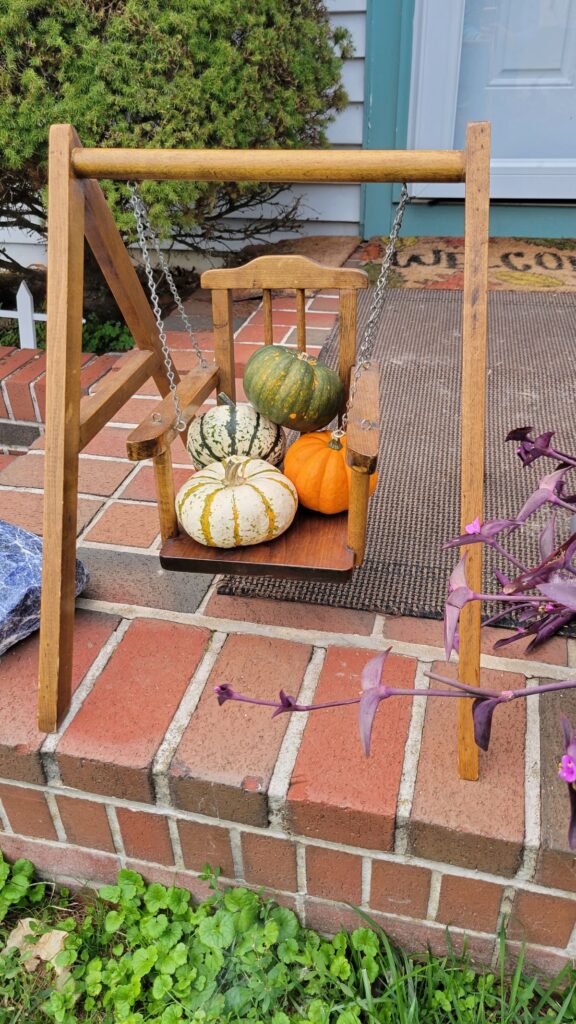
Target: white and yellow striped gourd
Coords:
[[236, 502]]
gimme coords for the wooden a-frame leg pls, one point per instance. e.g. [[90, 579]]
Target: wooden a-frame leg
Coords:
[[164, 477], [358, 513], [63, 347], [477, 211]]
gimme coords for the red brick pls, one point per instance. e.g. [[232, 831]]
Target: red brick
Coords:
[[145, 836], [417, 937], [288, 318], [25, 509], [110, 745], [556, 869], [198, 887], [95, 476], [133, 525], [291, 613], [536, 960], [153, 872], [85, 823], [206, 844], [6, 460], [269, 861], [542, 919], [181, 339], [469, 903], [135, 410], [20, 739], [38, 387], [142, 486], [18, 388], [3, 410], [13, 359], [256, 333], [109, 441], [333, 874], [325, 304], [329, 918], [479, 825], [62, 862], [227, 754], [430, 632], [400, 888], [28, 812], [336, 792]]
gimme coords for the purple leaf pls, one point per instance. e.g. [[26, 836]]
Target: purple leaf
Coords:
[[547, 540], [482, 711], [483, 534], [562, 592], [224, 692], [518, 434], [572, 822], [368, 706], [373, 670], [287, 703], [570, 754]]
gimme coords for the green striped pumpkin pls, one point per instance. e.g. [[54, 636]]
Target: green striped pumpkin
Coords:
[[236, 502], [292, 388], [231, 429]]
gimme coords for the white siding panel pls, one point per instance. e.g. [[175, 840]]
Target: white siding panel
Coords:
[[356, 25], [353, 80], [348, 126], [346, 6]]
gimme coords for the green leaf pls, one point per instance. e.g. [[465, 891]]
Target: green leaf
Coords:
[[365, 941], [110, 893], [143, 960], [218, 931], [155, 898], [162, 985], [113, 921], [177, 900], [288, 925], [153, 927], [171, 1015]]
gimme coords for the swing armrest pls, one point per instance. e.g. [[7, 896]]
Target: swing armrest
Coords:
[[363, 432], [154, 435]]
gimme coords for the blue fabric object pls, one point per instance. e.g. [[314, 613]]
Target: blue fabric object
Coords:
[[20, 579]]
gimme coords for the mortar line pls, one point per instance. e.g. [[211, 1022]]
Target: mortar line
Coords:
[[8, 404], [237, 853], [319, 638], [48, 748], [379, 625], [56, 817], [366, 882], [410, 762], [181, 717], [115, 830], [210, 591], [280, 781], [176, 844], [434, 895], [301, 869], [532, 783], [5, 820]]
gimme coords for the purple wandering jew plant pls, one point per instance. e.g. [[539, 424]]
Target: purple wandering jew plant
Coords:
[[542, 599]]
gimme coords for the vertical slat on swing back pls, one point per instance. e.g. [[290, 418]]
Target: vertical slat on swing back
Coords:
[[301, 319], [268, 325]]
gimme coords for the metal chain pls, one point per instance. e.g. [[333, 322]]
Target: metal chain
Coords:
[[143, 228], [364, 353]]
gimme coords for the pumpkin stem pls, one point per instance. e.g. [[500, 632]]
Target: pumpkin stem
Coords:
[[335, 443], [233, 472], [224, 399]]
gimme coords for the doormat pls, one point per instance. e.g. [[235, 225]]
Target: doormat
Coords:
[[416, 504], [514, 264]]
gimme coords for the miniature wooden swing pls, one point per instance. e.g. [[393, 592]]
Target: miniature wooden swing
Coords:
[[316, 547]]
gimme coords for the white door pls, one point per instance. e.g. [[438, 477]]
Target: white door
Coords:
[[510, 62]]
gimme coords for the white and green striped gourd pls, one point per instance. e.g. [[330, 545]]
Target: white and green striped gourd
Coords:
[[236, 502], [234, 429]]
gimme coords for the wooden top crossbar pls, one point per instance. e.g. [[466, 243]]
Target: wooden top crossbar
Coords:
[[360, 165]]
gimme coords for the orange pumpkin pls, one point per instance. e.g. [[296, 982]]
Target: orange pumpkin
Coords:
[[316, 465]]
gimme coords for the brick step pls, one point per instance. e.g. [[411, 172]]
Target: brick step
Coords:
[[288, 804]]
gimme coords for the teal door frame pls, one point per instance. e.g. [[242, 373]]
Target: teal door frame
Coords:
[[387, 96]]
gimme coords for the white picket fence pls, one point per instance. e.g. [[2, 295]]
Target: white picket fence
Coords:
[[25, 315]]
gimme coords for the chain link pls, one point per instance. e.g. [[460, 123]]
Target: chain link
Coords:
[[364, 353], [144, 228]]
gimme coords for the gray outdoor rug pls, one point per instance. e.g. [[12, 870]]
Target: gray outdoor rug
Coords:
[[416, 505]]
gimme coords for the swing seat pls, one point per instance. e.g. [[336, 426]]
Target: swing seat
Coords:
[[316, 546]]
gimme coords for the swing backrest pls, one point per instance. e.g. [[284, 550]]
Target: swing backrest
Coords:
[[279, 273]]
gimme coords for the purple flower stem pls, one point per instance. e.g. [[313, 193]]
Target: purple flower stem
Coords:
[[469, 690], [502, 551]]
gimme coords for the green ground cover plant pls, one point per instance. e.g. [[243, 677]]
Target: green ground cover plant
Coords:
[[145, 954], [97, 337]]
